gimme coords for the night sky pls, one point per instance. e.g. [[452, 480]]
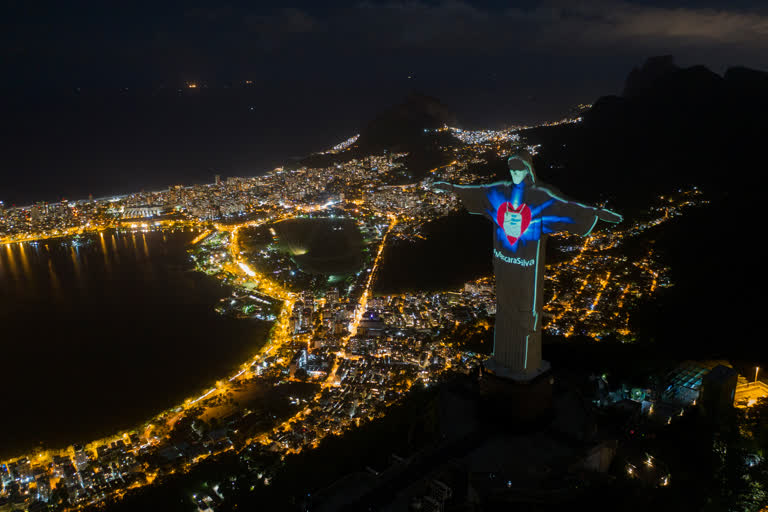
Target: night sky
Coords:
[[554, 51], [332, 66]]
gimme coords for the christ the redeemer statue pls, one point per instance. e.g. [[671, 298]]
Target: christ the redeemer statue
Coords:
[[523, 211]]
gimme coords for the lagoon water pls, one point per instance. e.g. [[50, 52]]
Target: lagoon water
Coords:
[[457, 248], [101, 334]]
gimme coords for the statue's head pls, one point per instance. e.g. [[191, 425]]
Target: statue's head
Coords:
[[520, 166]]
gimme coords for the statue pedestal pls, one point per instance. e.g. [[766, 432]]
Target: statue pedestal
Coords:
[[517, 397], [499, 370]]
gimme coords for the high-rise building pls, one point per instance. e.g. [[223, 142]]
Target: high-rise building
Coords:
[[82, 459], [306, 318], [43, 485], [309, 299]]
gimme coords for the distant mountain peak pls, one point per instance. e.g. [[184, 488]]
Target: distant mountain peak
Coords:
[[643, 78], [403, 125]]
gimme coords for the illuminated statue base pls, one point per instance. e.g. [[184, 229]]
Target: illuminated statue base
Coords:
[[509, 397], [499, 370]]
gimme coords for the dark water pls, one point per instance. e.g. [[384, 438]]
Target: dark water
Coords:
[[61, 145], [458, 248], [103, 336]]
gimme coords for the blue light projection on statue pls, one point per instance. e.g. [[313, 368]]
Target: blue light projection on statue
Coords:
[[522, 211], [518, 222]]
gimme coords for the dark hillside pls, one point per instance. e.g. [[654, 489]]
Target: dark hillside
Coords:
[[406, 127], [681, 127]]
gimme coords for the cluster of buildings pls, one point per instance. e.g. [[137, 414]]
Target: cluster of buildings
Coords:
[[44, 220], [593, 290], [416, 205], [485, 136], [225, 199], [371, 374], [354, 179], [78, 477], [342, 146]]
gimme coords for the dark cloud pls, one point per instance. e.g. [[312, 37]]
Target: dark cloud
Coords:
[[454, 25], [374, 29], [623, 22]]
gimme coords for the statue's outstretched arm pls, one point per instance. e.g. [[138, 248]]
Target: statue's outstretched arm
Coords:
[[473, 197], [583, 218], [609, 216], [442, 186]]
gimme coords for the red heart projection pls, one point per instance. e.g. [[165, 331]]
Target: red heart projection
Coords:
[[525, 220]]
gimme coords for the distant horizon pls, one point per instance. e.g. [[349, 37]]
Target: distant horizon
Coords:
[[144, 155], [57, 145]]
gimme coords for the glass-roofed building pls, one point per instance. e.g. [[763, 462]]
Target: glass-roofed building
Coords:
[[683, 384]]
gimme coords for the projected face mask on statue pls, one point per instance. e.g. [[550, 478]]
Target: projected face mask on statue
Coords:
[[518, 175], [518, 169], [512, 223]]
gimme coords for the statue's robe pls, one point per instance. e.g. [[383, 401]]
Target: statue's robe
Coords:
[[519, 261]]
